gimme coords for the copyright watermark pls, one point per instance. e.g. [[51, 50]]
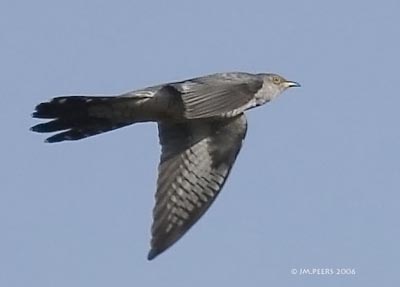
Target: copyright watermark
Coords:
[[323, 271]]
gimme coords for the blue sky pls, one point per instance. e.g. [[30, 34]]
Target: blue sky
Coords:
[[316, 184]]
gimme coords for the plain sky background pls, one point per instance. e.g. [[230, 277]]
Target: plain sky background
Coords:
[[316, 184]]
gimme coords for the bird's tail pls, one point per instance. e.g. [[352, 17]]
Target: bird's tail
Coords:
[[80, 116]]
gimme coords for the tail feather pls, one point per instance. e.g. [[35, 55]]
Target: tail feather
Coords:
[[52, 126], [71, 116]]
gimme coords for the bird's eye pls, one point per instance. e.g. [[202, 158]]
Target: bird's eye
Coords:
[[276, 80]]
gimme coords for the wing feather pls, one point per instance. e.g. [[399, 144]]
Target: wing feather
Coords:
[[218, 94], [195, 162]]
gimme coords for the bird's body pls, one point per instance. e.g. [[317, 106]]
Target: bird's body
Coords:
[[201, 126]]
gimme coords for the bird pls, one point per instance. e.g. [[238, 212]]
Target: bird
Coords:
[[201, 127]]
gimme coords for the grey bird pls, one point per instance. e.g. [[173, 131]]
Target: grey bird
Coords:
[[201, 126]]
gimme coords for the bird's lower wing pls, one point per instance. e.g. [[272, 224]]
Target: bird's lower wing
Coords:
[[195, 162]]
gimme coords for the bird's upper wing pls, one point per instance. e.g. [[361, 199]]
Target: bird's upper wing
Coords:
[[196, 160], [218, 94]]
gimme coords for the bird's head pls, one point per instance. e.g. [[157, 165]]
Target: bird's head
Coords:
[[279, 82], [274, 85]]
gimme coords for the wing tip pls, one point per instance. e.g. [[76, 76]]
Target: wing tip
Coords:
[[153, 253]]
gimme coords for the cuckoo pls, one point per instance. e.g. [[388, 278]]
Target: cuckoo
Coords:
[[201, 127]]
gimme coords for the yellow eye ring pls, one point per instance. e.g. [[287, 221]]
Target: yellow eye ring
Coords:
[[276, 80]]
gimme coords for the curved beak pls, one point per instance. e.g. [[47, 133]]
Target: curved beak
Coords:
[[290, 84]]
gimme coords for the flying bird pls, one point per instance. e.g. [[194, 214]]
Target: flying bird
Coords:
[[201, 127]]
